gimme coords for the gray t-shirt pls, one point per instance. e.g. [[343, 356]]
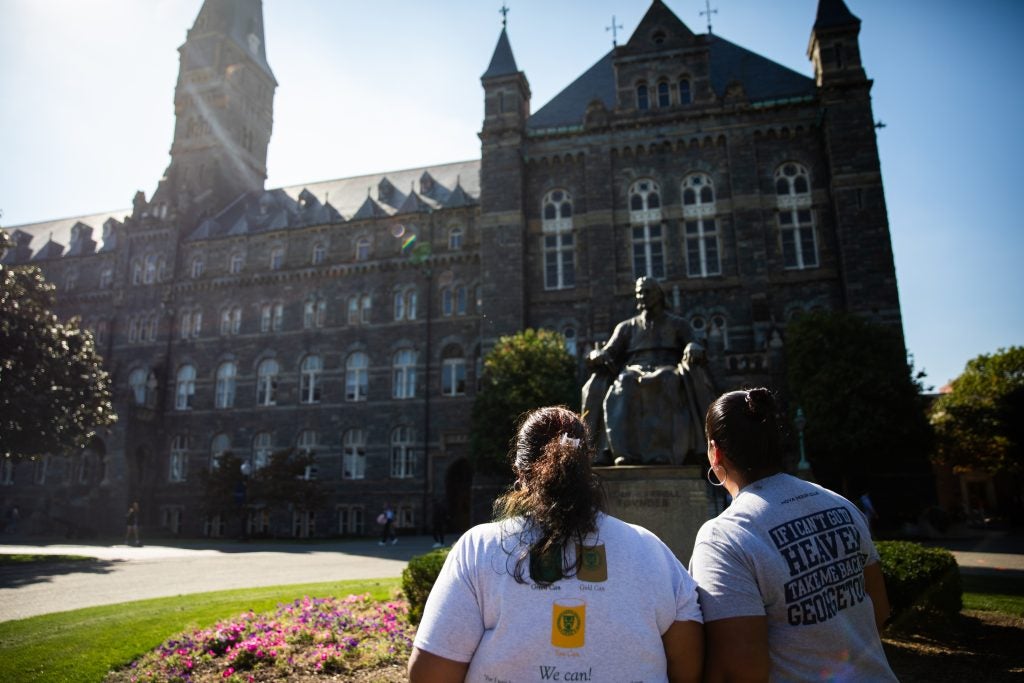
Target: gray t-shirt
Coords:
[[795, 552], [605, 624]]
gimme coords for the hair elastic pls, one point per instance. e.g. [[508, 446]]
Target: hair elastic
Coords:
[[567, 440]]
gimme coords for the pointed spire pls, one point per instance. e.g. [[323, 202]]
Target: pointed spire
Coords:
[[833, 14], [502, 62], [240, 20]]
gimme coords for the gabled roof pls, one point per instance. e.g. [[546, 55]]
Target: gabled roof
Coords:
[[59, 230], [458, 198], [660, 29], [370, 209], [414, 204], [834, 14], [761, 78], [50, 250], [502, 61]]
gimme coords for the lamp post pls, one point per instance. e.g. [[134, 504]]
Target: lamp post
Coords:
[[241, 491], [803, 468]]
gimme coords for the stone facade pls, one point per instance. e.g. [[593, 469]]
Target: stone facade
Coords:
[[350, 316]]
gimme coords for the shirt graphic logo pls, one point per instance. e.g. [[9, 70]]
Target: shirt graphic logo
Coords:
[[826, 567], [568, 622]]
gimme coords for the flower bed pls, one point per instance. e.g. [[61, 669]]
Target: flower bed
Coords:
[[308, 637]]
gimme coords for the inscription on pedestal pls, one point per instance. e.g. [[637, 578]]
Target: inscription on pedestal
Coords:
[[671, 502]]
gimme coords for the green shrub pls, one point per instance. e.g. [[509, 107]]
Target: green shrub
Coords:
[[920, 579], [418, 578]]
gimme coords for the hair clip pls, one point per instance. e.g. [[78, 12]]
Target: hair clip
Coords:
[[567, 440]]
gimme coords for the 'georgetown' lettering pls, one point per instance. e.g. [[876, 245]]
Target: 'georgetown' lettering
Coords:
[[822, 552]]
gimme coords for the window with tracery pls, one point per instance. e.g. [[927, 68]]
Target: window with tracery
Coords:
[[647, 230], [701, 228]]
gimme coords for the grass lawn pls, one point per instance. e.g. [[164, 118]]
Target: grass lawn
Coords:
[[994, 594], [83, 645]]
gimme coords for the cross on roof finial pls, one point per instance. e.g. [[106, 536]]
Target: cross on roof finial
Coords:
[[614, 29], [708, 12], [504, 15]]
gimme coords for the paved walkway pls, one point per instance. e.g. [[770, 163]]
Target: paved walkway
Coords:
[[124, 573]]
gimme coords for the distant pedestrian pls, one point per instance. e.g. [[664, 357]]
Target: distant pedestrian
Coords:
[[868, 508], [132, 524], [440, 522], [387, 519]]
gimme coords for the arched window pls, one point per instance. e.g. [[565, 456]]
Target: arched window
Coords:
[[455, 239], [558, 241], [276, 258], [224, 395], [309, 389], [262, 448], [642, 98], [453, 372], [319, 253], [353, 310], [702, 249], [647, 231], [460, 300], [220, 445], [685, 97], [404, 374], [353, 458], [185, 388], [365, 308], [362, 249], [405, 303], [197, 267], [403, 459], [236, 263], [149, 269], [356, 376], [314, 313], [699, 326], [266, 382], [178, 469], [137, 382], [664, 96], [231, 320], [796, 218], [447, 301]]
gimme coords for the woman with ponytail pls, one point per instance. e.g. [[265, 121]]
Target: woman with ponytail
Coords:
[[788, 577], [556, 589]]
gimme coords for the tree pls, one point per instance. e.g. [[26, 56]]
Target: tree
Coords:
[[282, 482], [980, 423], [526, 370], [866, 418], [54, 392]]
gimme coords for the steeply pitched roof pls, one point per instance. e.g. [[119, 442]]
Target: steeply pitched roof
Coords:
[[60, 229], [238, 19], [833, 14], [659, 29], [567, 107], [502, 61], [761, 78]]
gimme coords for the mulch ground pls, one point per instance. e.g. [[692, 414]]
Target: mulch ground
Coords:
[[976, 646]]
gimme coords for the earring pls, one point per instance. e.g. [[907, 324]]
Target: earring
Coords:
[[721, 482]]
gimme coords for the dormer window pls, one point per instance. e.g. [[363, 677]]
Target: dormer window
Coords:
[[658, 37], [363, 249]]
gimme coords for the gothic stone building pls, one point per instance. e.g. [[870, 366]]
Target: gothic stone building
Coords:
[[348, 317]]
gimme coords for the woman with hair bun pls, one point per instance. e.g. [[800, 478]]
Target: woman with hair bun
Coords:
[[788, 577], [556, 589]]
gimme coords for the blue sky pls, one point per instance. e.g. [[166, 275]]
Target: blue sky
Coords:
[[365, 87]]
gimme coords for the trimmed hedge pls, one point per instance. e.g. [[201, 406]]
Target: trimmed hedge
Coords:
[[920, 579], [418, 578]]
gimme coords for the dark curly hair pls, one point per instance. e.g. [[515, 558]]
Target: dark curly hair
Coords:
[[556, 491], [746, 426]]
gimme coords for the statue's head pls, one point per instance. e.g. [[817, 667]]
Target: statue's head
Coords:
[[649, 295]]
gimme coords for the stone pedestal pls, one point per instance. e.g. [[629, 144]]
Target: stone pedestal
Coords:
[[672, 502]]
